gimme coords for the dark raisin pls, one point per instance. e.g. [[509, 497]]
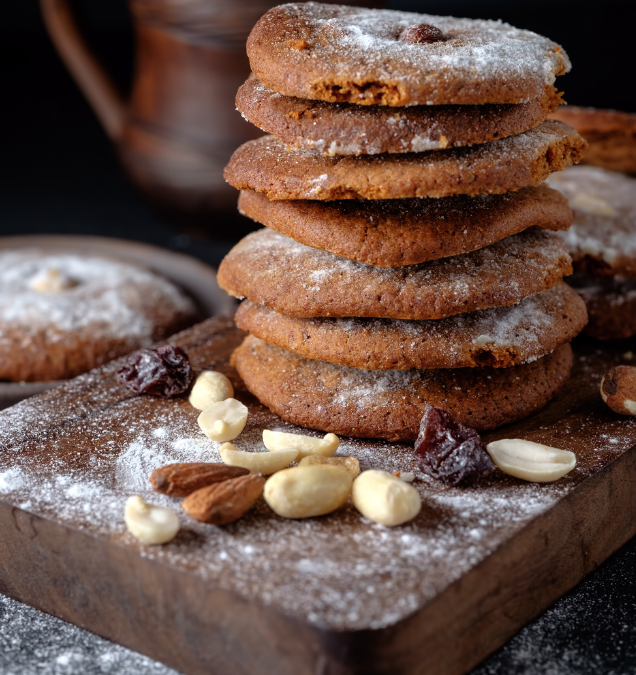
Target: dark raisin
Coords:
[[450, 452], [164, 372], [422, 34]]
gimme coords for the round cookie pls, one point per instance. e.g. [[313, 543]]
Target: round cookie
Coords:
[[500, 336], [63, 314], [611, 136], [348, 129], [611, 306], [602, 239], [336, 53], [295, 280], [397, 232], [389, 404], [264, 165]]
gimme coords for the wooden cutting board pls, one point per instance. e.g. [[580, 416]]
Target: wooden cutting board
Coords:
[[328, 596]]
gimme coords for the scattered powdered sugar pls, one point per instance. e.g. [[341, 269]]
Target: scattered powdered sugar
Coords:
[[141, 457], [339, 571], [604, 206], [32, 642]]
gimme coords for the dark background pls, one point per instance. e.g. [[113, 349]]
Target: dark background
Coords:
[[59, 174]]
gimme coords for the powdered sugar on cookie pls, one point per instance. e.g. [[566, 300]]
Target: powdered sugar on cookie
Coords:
[[355, 55]]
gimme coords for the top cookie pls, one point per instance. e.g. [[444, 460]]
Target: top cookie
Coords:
[[337, 53], [348, 129], [602, 239]]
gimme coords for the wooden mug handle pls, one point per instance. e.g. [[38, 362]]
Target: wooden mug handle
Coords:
[[91, 78]]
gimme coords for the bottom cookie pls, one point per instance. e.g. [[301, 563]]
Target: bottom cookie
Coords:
[[611, 306], [389, 404]]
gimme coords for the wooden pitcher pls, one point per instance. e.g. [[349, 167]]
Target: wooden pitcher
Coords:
[[179, 127]]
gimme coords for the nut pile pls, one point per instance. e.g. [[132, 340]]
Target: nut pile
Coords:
[[219, 494], [320, 482]]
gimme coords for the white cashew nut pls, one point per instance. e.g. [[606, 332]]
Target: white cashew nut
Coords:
[[264, 463], [306, 445], [224, 420], [149, 523]]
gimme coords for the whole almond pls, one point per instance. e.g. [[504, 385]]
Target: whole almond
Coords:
[[222, 503], [180, 480]]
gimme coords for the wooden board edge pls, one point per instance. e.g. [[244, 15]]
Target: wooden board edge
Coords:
[[168, 615], [481, 611]]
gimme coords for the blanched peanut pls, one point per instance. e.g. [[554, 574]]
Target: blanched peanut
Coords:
[[210, 387], [531, 461], [306, 445], [384, 498], [257, 462], [223, 421], [308, 491], [150, 524], [351, 464]]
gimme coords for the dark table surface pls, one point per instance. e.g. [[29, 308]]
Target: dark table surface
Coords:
[[59, 175]]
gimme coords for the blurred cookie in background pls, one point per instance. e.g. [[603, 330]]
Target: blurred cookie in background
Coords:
[[64, 314], [602, 243], [611, 136]]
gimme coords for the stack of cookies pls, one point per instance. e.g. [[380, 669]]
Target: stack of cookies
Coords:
[[410, 254]]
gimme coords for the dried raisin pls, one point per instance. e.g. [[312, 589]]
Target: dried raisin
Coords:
[[164, 371], [450, 452]]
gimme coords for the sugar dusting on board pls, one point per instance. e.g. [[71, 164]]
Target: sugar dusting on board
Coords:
[[338, 571]]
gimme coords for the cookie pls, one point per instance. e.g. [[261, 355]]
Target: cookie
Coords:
[[498, 337], [611, 306], [298, 281], [611, 136], [63, 314], [602, 239], [389, 404], [396, 232], [349, 129], [336, 53], [264, 165]]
